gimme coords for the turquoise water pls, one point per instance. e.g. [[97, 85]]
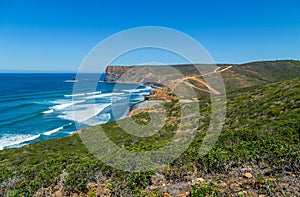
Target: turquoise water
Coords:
[[37, 107]]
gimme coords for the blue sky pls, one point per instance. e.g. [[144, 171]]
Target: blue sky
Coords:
[[57, 35]]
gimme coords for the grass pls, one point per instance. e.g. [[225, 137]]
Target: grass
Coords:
[[261, 133]]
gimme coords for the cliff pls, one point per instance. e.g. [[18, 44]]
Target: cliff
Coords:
[[113, 73], [234, 76]]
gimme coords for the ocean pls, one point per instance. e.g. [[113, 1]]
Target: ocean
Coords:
[[38, 107]]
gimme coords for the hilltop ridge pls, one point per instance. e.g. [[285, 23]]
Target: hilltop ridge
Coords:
[[235, 76]]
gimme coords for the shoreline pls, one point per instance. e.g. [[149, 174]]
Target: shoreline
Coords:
[[147, 101], [135, 106]]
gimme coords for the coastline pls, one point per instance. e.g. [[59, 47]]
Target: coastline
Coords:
[[154, 97], [134, 107]]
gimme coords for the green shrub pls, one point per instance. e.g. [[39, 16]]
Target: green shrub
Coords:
[[204, 191]]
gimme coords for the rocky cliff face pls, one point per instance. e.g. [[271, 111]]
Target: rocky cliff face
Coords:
[[113, 73], [148, 75]]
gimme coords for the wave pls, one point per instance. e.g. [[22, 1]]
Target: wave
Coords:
[[74, 95], [60, 101], [103, 118], [61, 106], [10, 140], [137, 90], [85, 112], [53, 131], [22, 117], [71, 132], [82, 94], [144, 93], [138, 99], [16, 106], [41, 102], [65, 105], [132, 90], [104, 95], [57, 129], [93, 93], [48, 111], [71, 81]]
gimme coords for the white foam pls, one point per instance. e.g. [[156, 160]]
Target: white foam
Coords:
[[71, 132], [74, 95], [144, 93], [97, 120], [104, 95], [48, 111], [53, 131], [132, 90], [60, 101], [137, 90], [82, 94], [16, 139], [116, 98], [139, 98], [65, 105], [93, 93], [81, 113], [71, 81]]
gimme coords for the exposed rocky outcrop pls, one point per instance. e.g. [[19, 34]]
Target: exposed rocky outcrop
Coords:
[[113, 73], [161, 94]]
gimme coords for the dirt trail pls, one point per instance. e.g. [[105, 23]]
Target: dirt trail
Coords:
[[197, 79]]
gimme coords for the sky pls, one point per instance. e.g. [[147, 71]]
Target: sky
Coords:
[[56, 36]]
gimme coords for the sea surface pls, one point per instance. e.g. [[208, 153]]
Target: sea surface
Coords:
[[37, 107]]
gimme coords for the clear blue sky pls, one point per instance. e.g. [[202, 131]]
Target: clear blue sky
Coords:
[[46, 35]]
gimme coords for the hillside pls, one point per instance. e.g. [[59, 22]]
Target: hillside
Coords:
[[256, 154], [235, 76]]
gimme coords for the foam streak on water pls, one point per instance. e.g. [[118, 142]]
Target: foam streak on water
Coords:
[[11, 140], [53, 131], [81, 113]]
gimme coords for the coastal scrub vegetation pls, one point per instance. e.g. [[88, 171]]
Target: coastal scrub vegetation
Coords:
[[257, 153]]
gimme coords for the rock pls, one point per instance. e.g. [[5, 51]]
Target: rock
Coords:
[[106, 192], [248, 175], [242, 193], [161, 94], [235, 187], [201, 179], [113, 73], [58, 193], [184, 194]]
